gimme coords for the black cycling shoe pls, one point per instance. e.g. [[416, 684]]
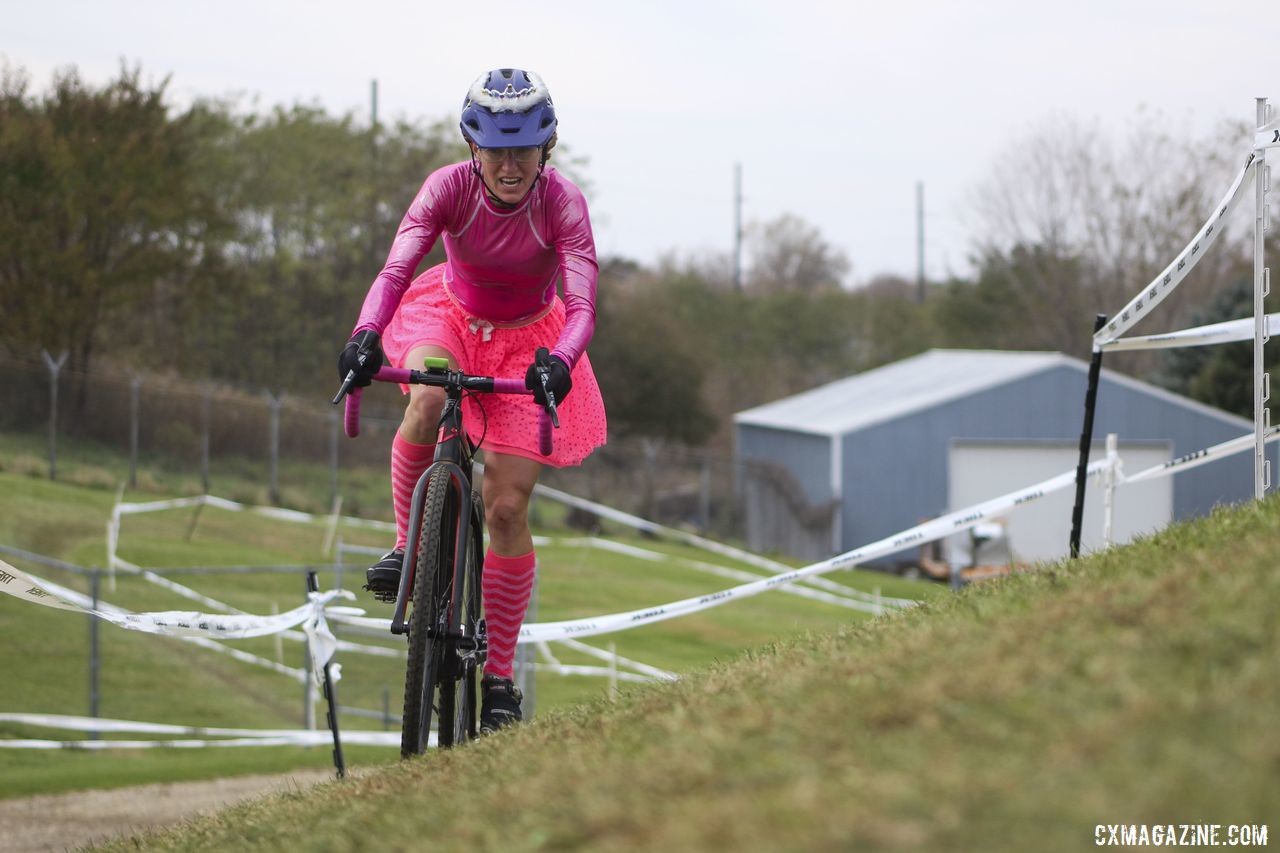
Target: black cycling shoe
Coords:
[[499, 704], [383, 577]]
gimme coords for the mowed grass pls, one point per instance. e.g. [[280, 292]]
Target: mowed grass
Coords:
[[44, 665], [1139, 686]]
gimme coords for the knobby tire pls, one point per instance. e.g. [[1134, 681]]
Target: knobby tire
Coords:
[[435, 665], [432, 588]]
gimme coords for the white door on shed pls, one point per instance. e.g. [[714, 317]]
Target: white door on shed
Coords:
[[1041, 530]]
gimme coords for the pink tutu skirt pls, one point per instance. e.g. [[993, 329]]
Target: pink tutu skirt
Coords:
[[501, 423]]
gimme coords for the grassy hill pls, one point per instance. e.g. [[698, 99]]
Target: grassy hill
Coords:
[[1138, 686], [154, 679]]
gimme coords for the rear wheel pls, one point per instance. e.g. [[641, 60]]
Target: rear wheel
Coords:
[[429, 685]]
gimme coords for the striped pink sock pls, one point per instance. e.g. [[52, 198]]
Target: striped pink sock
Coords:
[[507, 586], [408, 461]]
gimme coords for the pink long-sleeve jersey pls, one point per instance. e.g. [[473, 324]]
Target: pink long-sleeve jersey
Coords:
[[501, 265]]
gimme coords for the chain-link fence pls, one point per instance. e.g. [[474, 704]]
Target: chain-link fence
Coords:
[[169, 434]]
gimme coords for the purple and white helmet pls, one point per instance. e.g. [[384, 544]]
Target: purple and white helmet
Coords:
[[508, 108]]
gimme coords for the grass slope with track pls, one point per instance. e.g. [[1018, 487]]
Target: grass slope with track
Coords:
[[1137, 686], [43, 652]]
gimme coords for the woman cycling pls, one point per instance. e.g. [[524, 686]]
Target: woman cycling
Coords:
[[512, 227]]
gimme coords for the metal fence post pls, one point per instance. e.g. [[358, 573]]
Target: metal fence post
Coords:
[[1086, 440], [205, 407], [1261, 287], [55, 366], [330, 696], [704, 495], [135, 391], [274, 402], [333, 457]]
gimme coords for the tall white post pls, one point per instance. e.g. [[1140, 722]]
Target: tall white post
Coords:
[[1109, 477], [1261, 285]]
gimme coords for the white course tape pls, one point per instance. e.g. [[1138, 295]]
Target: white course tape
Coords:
[[1268, 136], [601, 654], [935, 529], [644, 525], [223, 607], [1216, 333], [123, 509], [596, 671], [927, 532], [302, 738], [1172, 275], [309, 616], [1200, 457], [115, 562], [53, 595], [725, 572], [197, 736], [232, 506], [22, 585]]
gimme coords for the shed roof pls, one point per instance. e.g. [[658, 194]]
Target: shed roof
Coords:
[[922, 382]]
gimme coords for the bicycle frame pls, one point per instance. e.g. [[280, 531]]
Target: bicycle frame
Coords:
[[454, 455]]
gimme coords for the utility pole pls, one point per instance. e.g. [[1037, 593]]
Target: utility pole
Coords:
[[920, 242], [737, 227], [373, 174]]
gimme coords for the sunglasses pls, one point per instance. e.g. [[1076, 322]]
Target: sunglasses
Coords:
[[494, 156]]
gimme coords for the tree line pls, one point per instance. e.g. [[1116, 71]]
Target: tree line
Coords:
[[235, 245]]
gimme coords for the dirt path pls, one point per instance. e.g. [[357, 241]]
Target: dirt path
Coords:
[[63, 821]]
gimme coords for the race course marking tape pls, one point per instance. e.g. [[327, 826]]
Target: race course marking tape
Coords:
[[174, 623], [1215, 333], [1171, 276], [197, 736], [938, 528]]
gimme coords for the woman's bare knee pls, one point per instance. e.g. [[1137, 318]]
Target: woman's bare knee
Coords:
[[422, 415], [507, 514]]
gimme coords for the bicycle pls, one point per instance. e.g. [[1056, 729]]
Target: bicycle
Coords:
[[440, 577]]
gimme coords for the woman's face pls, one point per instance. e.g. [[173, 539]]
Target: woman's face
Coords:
[[509, 173]]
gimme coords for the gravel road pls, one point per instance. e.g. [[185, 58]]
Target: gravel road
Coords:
[[65, 821]]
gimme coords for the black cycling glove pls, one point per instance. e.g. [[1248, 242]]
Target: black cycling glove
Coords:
[[365, 342], [559, 382]]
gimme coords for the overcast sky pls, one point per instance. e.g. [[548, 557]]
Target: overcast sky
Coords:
[[834, 110]]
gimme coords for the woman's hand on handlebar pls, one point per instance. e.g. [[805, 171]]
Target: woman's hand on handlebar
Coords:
[[548, 375], [360, 359]]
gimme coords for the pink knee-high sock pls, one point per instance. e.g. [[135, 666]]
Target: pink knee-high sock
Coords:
[[408, 461], [507, 586]]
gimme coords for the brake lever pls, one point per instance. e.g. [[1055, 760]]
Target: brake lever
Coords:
[[346, 387], [544, 374], [361, 358]]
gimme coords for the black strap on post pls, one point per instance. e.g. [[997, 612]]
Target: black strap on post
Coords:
[[330, 697], [1086, 440]]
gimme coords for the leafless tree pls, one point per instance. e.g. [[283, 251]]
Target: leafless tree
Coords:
[[790, 254], [1081, 223]]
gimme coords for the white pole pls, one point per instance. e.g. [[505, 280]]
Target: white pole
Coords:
[[113, 538], [1109, 492], [613, 671], [275, 609], [1261, 283]]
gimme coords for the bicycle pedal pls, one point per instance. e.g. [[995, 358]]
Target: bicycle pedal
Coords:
[[387, 596]]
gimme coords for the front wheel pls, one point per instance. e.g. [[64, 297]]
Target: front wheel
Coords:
[[473, 660], [429, 649]]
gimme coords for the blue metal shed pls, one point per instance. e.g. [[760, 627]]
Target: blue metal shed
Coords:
[[870, 455]]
